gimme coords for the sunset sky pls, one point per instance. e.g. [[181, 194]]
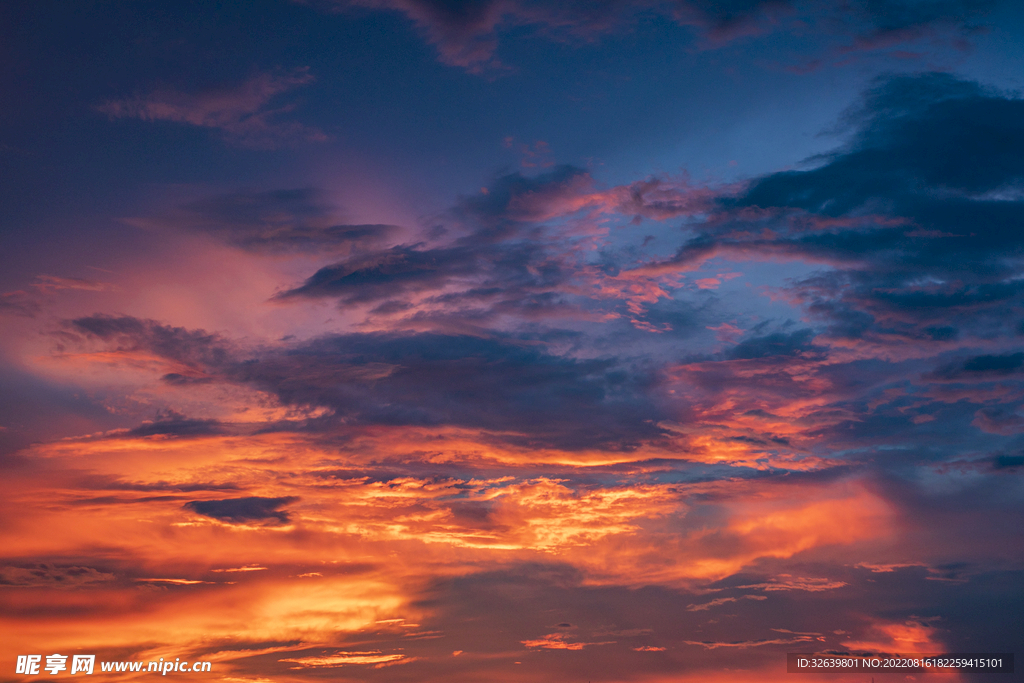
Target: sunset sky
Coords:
[[426, 341]]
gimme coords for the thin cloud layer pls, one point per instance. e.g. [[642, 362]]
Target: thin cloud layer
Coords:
[[242, 113], [298, 220], [468, 35]]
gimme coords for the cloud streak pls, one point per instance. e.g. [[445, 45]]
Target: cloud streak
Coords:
[[242, 113], [469, 35]]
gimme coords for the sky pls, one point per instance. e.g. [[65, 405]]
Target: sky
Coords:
[[508, 340]]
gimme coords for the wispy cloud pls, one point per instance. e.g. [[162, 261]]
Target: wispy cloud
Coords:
[[375, 657], [243, 113], [469, 35], [559, 641], [744, 644], [51, 283], [705, 606], [295, 220], [19, 303], [52, 576]]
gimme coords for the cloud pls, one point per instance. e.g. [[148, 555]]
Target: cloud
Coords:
[[790, 583], [393, 272], [468, 34], [705, 606], [343, 658], [192, 350], [173, 424], [27, 304], [557, 641], [527, 250], [242, 113], [597, 476], [51, 283], [19, 303], [879, 215], [109, 483], [502, 385], [52, 576], [1008, 462], [501, 261], [251, 568], [997, 420], [744, 644], [287, 220], [243, 510], [915, 219], [908, 637], [775, 344], [892, 23], [984, 367]]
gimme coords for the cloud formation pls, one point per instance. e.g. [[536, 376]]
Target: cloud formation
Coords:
[[506, 386], [298, 220], [242, 510], [242, 113], [468, 34], [915, 218], [51, 576], [527, 249]]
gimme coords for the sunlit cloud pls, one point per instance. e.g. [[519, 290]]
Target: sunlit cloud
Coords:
[[343, 658]]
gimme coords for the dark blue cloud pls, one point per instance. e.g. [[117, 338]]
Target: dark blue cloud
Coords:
[[507, 385], [390, 273], [491, 384], [775, 344], [173, 424], [1007, 462], [278, 220], [495, 255], [195, 348], [242, 510], [919, 216], [982, 367]]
